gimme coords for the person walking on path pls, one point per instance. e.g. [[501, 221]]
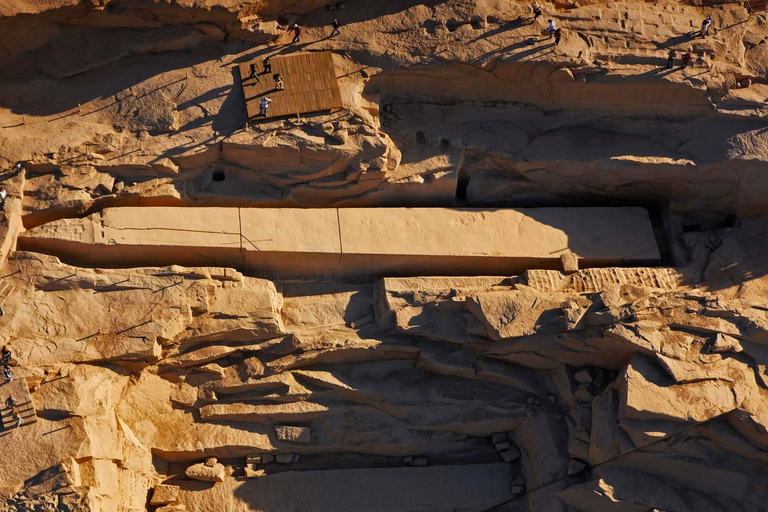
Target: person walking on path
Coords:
[[687, 58], [671, 56], [3, 195], [705, 26], [16, 416], [267, 66], [264, 104], [536, 10], [551, 28], [254, 74], [335, 26], [278, 81], [6, 355], [10, 402], [558, 34], [7, 374], [297, 33]]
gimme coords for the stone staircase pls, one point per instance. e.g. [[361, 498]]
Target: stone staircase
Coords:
[[5, 291]]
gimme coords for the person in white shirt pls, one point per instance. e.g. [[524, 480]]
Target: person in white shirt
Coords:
[[264, 104], [551, 28], [3, 193]]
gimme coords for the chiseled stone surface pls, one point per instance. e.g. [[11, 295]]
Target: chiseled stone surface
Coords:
[[293, 434], [164, 494], [353, 241]]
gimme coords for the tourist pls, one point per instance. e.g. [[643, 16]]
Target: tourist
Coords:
[[278, 81], [671, 56], [551, 28], [264, 104], [297, 33], [6, 355], [10, 402], [254, 74], [335, 26], [17, 168], [16, 416], [705, 26], [3, 195], [536, 11], [558, 34], [267, 66], [687, 58], [7, 374]]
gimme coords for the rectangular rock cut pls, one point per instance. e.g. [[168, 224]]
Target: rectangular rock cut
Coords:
[[352, 241], [460, 488]]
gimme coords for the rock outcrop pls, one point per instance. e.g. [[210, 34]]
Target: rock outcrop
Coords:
[[512, 273]]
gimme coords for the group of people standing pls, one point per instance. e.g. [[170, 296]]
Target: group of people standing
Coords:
[[10, 402], [552, 28], [277, 77], [687, 58]]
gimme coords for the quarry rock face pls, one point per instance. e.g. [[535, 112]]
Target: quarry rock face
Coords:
[[513, 272]]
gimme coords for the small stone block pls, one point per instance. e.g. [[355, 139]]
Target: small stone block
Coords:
[[569, 262], [293, 434], [517, 489], [510, 455], [583, 394], [583, 376], [164, 494], [284, 458], [419, 462], [172, 508], [266, 458], [502, 447], [253, 472], [408, 459], [499, 437], [361, 321], [253, 459], [295, 458]]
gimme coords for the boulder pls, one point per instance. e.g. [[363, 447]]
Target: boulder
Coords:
[[583, 377], [252, 472], [207, 472], [164, 494], [284, 458], [293, 434], [512, 454], [570, 263], [172, 508]]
